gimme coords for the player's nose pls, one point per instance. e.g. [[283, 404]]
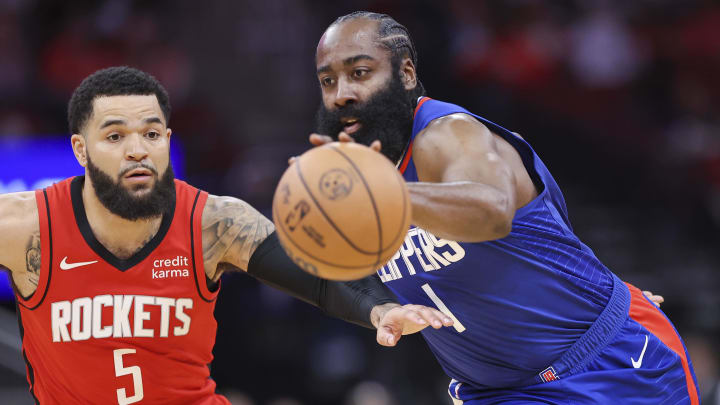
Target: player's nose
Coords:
[[135, 148], [345, 94]]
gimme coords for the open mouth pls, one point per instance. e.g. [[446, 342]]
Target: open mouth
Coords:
[[350, 125]]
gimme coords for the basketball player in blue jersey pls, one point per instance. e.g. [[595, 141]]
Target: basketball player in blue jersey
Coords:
[[537, 318]]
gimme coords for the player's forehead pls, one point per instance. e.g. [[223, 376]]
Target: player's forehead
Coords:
[[348, 39], [128, 108]]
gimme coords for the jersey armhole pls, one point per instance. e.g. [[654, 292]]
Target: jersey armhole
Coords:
[[197, 253], [46, 255]]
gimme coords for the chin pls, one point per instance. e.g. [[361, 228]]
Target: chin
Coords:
[[140, 190]]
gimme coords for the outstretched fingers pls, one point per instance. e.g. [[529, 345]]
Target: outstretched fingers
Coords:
[[422, 315]]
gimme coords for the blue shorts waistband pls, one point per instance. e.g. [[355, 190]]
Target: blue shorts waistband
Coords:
[[600, 333]]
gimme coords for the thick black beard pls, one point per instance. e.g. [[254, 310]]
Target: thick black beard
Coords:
[[387, 115], [118, 200]]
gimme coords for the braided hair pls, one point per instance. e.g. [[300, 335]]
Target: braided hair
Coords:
[[395, 37]]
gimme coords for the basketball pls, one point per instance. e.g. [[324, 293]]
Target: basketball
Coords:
[[341, 211]]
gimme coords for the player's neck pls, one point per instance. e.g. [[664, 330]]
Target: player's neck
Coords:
[[120, 236]]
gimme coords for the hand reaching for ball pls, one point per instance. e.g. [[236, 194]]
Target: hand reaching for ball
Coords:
[[393, 321], [320, 140]]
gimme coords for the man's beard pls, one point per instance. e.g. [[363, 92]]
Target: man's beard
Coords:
[[119, 201], [387, 115]]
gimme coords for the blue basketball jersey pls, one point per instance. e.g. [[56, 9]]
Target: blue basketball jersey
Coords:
[[519, 302]]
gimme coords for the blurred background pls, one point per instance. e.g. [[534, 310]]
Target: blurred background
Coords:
[[620, 99]]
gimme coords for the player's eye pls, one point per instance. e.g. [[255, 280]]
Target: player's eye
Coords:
[[327, 81], [153, 135], [358, 73], [113, 137]]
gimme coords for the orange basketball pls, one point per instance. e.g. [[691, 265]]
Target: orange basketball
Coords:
[[341, 211]]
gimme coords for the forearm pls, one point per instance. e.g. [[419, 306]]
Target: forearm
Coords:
[[351, 301], [461, 211]]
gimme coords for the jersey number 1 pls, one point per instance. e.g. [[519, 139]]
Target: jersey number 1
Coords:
[[122, 397], [443, 308]]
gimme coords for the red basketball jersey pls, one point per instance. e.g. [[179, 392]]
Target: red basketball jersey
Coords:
[[101, 330]]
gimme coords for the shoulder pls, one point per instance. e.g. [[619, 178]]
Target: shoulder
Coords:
[[17, 211], [450, 137], [19, 224], [218, 207], [453, 128], [18, 201], [231, 230]]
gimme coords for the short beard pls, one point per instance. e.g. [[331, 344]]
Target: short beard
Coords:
[[387, 116], [119, 201]]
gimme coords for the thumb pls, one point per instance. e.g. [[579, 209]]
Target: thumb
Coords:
[[388, 336]]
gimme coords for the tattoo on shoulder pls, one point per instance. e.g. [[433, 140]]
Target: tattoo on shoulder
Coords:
[[32, 258], [231, 231]]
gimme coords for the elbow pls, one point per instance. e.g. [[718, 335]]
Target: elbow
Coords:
[[501, 218], [490, 228], [501, 227], [495, 224]]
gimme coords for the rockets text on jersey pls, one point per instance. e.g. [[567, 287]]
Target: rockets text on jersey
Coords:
[[100, 329]]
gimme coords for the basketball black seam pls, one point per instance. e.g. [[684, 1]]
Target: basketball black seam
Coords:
[[401, 232], [327, 217], [287, 235], [372, 201]]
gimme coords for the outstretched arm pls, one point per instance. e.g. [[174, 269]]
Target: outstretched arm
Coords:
[[470, 184], [236, 236]]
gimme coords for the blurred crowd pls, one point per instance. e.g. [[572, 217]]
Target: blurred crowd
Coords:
[[621, 99]]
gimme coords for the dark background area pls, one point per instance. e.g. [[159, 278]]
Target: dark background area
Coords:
[[620, 99]]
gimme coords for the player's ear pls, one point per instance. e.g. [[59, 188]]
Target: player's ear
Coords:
[[79, 147], [408, 74], [168, 133]]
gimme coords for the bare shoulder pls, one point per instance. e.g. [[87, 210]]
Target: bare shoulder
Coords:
[[448, 138], [18, 203], [451, 128], [20, 239], [231, 231], [19, 223]]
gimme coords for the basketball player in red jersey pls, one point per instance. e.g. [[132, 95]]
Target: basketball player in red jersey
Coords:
[[116, 272]]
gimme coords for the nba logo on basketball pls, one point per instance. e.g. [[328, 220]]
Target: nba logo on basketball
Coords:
[[549, 374]]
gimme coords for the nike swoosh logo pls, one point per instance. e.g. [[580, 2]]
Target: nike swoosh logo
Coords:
[[638, 363], [64, 265]]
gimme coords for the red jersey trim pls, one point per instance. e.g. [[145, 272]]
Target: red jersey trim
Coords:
[[30, 371], [46, 254], [408, 153], [406, 159], [419, 104], [197, 253], [647, 315]]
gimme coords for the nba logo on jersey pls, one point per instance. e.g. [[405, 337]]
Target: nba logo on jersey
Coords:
[[549, 374]]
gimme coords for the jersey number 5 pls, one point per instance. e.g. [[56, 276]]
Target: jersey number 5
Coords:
[[122, 397]]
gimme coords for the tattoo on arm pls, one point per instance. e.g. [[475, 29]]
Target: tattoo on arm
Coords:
[[231, 231], [32, 258]]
